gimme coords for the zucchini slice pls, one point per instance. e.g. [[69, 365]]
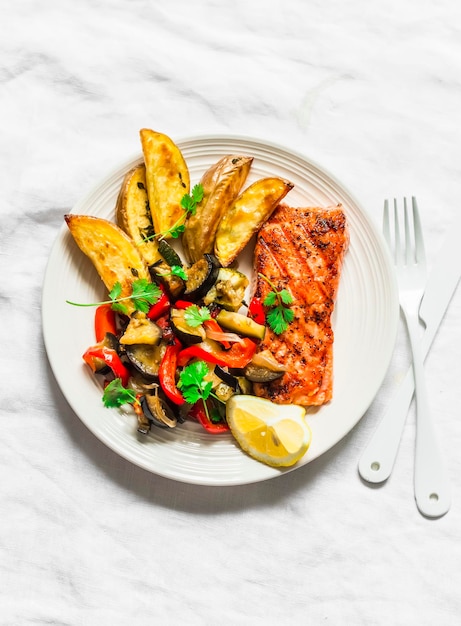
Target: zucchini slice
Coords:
[[228, 290], [169, 253], [240, 324]]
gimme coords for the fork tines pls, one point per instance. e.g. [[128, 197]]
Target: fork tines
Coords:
[[411, 227]]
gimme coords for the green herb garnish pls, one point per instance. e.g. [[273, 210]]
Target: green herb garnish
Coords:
[[189, 204], [194, 315], [189, 201], [280, 316], [115, 394], [193, 385], [143, 295], [175, 270]]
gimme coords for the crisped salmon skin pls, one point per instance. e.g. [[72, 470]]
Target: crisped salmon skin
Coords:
[[302, 250]]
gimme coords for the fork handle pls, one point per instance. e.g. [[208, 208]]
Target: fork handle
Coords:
[[431, 483]]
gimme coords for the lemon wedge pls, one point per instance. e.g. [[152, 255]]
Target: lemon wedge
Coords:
[[275, 434]]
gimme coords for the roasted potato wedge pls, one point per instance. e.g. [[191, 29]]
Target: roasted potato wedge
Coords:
[[167, 179], [112, 252], [221, 183], [133, 213], [246, 216]]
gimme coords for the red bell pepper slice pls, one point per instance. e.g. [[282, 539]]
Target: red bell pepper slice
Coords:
[[256, 311], [160, 307], [198, 413], [239, 355], [182, 304], [110, 358], [167, 373], [104, 321]]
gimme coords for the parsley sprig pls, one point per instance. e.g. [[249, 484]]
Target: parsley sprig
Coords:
[[280, 316], [143, 295], [115, 394]]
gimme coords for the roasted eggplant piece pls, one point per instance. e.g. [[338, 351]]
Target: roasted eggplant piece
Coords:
[[223, 392], [133, 213], [146, 359], [157, 410], [258, 374], [161, 273], [113, 253], [221, 185], [140, 329], [144, 423], [228, 290], [185, 333], [240, 324], [246, 216], [226, 377], [167, 179], [263, 368], [201, 277]]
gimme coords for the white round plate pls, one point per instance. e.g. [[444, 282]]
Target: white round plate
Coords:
[[364, 322]]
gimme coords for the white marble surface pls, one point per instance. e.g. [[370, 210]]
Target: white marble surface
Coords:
[[371, 91]]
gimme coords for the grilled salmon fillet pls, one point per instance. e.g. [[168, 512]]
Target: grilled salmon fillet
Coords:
[[302, 250]]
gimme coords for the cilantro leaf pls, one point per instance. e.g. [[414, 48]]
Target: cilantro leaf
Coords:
[[114, 295], [285, 296], [197, 193], [115, 394], [189, 201], [275, 320], [176, 231], [279, 319], [144, 294], [178, 270], [288, 315], [270, 299], [194, 315], [280, 316], [116, 291], [192, 382]]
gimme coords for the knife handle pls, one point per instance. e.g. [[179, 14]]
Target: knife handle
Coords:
[[377, 461]]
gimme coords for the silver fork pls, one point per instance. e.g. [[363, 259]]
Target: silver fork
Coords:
[[431, 483]]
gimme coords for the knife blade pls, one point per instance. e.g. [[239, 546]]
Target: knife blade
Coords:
[[377, 461]]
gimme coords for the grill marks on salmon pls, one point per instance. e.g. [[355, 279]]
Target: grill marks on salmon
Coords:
[[302, 250]]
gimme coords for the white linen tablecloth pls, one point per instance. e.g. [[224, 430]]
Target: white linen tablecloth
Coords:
[[372, 92]]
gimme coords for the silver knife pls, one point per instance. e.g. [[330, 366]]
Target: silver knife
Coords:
[[377, 461]]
